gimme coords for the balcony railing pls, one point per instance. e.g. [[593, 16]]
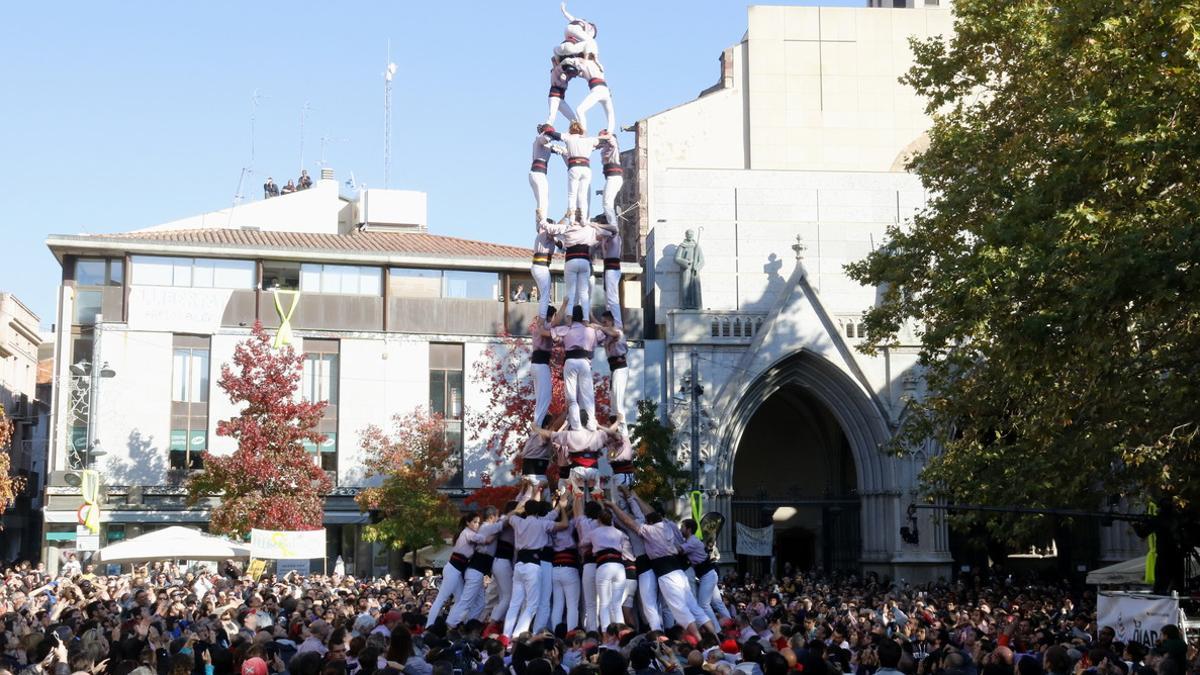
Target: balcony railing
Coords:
[[714, 326]]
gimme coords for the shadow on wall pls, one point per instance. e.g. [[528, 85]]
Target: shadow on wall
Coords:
[[665, 268], [143, 465]]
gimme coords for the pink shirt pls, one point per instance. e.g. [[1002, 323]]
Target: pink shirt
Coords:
[[578, 335], [581, 440]]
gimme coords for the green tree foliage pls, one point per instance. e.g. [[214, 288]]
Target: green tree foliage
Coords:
[[1053, 275], [657, 471], [410, 465]]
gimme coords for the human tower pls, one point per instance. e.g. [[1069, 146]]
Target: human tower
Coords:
[[581, 556]]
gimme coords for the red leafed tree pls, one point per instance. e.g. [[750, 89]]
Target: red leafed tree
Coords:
[[10, 486], [504, 420], [413, 463], [269, 482], [488, 494]]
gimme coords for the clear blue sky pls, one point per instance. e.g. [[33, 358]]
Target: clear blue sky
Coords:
[[118, 116]]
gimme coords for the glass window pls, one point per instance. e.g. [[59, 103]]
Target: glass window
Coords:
[[414, 283], [437, 392], [475, 285], [181, 272], [87, 305], [281, 275], [187, 449], [89, 272], [340, 279], [116, 272], [320, 379], [192, 272], [446, 395], [189, 378]]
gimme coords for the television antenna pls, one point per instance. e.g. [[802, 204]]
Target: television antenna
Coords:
[[389, 74]]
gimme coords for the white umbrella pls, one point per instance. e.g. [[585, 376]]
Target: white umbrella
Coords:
[[173, 543], [436, 556]]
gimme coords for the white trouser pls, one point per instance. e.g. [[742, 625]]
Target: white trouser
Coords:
[[612, 296], [527, 578], [693, 604], [614, 484], [610, 588], [541, 277], [577, 272], [545, 594], [502, 578], [710, 598], [589, 596], [558, 105], [468, 603], [648, 598], [543, 388], [617, 381], [674, 590], [541, 192], [581, 393], [612, 185], [631, 586], [566, 596], [452, 583], [579, 183], [602, 96], [583, 476]]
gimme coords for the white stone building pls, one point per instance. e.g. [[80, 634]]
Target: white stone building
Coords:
[[789, 167], [390, 318]]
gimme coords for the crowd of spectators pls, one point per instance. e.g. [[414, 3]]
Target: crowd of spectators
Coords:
[[271, 189], [163, 620]]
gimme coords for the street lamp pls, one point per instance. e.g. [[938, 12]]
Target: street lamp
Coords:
[[86, 369]]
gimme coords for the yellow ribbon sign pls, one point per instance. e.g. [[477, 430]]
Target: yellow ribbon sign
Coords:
[[696, 498], [284, 336], [90, 483]]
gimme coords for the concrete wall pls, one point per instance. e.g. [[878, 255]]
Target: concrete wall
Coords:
[[314, 210], [750, 221], [134, 412]]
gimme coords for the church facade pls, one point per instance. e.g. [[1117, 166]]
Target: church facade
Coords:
[[787, 169]]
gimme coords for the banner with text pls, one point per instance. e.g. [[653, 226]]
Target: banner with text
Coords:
[[755, 540], [1136, 618], [287, 545]]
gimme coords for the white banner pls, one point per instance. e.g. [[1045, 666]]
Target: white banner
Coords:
[[186, 310], [287, 545], [1136, 618], [755, 540]]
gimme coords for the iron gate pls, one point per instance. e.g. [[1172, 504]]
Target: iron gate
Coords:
[[837, 548]]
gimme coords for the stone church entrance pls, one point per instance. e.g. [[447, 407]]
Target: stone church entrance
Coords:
[[794, 469]]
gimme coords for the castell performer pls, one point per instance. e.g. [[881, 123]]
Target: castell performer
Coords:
[[579, 37], [542, 149], [620, 459], [598, 92], [608, 243], [543, 255], [618, 365], [452, 573], [562, 70], [583, 448], [705, 569], [578, 241], [471, 600], [537, 455], [584, 522], [539, 365], [579, 147], [579, 338], [502, 568], [565, 577], [531, 522], [660, 540], [612, 550]]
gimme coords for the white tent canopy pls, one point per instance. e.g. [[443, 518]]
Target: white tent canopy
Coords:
[[1130, 573], [173, 543], [436, 556]]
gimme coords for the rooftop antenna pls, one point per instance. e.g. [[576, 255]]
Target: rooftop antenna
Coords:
[[304, 110], [249, 168], [388, 75], [327, 140]]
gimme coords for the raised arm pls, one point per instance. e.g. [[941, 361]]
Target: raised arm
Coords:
[[623, 517], [563, 6]]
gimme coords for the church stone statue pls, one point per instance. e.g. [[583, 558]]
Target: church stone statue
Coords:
[[690, 260]]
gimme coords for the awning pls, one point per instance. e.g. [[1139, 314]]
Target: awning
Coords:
[[173, 543]]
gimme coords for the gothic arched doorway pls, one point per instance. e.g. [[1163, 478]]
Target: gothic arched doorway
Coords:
[[794, 469]]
